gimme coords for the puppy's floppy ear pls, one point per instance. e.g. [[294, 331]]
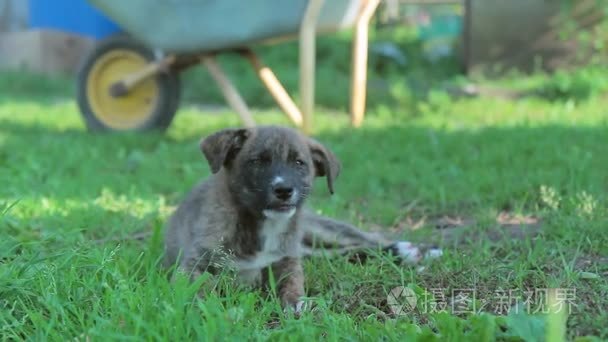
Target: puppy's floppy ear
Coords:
[[221, 147], [325, 163]]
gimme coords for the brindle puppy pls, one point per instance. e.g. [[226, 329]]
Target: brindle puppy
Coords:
[[250, 212]]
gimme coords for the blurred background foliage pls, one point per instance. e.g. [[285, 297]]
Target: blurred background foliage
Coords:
[[411, 65]]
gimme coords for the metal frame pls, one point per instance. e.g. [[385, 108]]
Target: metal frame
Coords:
[[302, 116]]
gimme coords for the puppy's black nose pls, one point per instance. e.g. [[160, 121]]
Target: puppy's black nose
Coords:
[[282, 192]]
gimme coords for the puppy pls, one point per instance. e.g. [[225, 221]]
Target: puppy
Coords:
[[250, 212]]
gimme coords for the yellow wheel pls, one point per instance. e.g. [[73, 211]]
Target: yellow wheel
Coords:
[[149, 105]]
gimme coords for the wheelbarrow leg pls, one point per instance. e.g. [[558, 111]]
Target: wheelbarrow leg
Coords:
[[307, 61], [230, 92], [359, 64], [275, 88], [123, 86]]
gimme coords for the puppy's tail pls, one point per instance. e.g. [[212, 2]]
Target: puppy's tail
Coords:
[[326, 236]]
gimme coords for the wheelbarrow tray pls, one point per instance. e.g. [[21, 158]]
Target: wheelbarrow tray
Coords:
[[189, 26]]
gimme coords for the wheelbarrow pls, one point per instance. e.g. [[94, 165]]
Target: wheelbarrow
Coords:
[[130, 81]]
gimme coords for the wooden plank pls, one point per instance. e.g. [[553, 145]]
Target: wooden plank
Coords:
[[519, 34]]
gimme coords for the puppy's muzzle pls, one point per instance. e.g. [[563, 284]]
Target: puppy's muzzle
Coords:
[[283, 195], [283, 192]]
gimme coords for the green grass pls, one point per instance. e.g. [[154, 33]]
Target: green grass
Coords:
[[64, 189]]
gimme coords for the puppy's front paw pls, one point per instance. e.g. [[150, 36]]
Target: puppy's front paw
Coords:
[[413, 254], [297, 308]]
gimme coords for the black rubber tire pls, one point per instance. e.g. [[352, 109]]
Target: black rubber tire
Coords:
[[168, 84]]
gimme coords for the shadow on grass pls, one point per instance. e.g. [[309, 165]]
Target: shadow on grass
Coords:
[[398, 163]]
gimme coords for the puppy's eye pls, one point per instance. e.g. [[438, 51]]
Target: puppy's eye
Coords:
[[300, 162]]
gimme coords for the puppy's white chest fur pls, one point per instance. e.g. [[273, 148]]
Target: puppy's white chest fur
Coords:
[[273, 240]]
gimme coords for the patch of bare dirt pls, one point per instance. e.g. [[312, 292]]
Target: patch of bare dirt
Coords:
[[472, 90], [454, 229], [588, 262]]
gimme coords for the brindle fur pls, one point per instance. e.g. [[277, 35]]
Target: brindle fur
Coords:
[[223, 218]]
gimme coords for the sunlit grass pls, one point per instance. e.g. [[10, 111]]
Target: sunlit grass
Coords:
[[69, 199]]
